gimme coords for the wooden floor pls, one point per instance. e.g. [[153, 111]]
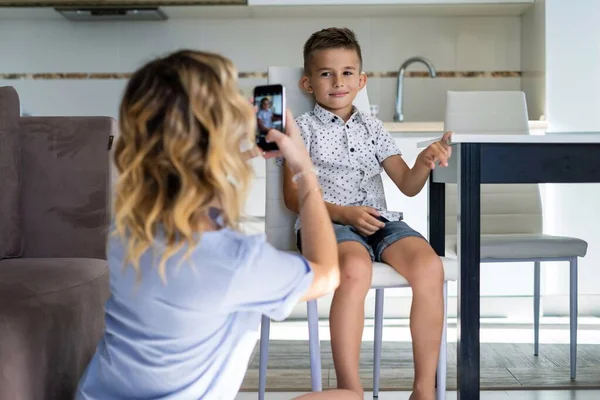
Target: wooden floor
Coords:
[[485, 395], [503, 367]]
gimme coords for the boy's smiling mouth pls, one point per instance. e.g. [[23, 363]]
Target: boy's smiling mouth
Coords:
[[338, 94]]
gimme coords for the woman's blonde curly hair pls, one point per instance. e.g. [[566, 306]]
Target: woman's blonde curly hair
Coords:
[[183, 123]]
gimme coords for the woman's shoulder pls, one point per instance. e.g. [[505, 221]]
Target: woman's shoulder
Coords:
[[234, 248], [227, 250], [227, 245]]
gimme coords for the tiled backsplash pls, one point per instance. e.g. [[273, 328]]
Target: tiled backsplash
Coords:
[[261, 74], [87, 63]]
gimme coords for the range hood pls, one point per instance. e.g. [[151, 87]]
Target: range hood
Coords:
[[112, 13], [117, 3]]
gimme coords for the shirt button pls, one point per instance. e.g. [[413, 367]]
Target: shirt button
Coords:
[[333, 119], [352, 149], [372, 141], [348, 126]]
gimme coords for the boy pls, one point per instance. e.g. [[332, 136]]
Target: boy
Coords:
[[350, 150]]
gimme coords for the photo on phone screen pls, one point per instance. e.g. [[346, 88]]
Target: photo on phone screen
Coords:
[[270, 113]]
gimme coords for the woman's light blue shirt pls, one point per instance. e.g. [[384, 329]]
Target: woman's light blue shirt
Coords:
[[191, 337]]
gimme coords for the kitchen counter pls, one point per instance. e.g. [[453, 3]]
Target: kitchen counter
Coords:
[[438, 126]]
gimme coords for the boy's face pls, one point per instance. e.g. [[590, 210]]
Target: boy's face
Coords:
[[334, 78]]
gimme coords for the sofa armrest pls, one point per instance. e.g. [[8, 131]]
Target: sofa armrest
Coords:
[[65, 185], [11, 227]]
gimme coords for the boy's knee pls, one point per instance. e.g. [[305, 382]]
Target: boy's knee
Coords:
[[356, 271], [429, 271]]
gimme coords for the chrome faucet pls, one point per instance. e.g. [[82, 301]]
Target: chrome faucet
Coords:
[[399, 115]]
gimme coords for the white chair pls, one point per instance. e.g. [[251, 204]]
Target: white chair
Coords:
[[511, 215], [279, 225]]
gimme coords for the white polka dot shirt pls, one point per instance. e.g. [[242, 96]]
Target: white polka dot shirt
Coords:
[[349, 157]]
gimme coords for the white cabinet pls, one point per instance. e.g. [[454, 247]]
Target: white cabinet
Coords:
[[385, 8], [380, 2]]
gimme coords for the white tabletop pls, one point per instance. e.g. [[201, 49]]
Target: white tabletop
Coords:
[[592, 137]]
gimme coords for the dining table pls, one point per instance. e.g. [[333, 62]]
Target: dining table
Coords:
[[495, 158]]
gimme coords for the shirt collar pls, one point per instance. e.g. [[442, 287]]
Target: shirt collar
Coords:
[[326, 116]]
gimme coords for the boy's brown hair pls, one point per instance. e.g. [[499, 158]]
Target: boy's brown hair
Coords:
[[330, 38]]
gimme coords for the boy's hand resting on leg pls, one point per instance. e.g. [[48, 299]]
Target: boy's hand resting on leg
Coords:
[[363, 219]]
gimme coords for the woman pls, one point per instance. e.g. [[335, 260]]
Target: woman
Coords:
[[187, 288]]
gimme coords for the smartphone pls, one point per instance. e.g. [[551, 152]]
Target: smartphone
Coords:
[[270, 113]]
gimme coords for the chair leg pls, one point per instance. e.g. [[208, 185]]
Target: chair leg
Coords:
[[377, 341], [314, 345], [573, 315], [536, 308], [442, 359], [263, 356]]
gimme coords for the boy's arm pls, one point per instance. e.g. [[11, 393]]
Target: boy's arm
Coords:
[[410, 181]]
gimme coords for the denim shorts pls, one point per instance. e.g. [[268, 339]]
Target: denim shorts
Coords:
[[377, 242]]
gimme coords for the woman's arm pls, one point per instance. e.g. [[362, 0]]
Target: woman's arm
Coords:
[[319, 246], [290, 198]]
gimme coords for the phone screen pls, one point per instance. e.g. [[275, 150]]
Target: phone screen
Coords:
[[270, 113]]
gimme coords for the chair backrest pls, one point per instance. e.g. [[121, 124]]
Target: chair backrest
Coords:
[[504, 208], [279, 221]]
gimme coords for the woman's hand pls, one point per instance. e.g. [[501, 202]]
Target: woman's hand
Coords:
[[255, 151], [291, 146]]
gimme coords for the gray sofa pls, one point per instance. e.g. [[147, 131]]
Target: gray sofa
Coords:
[[54, 188]]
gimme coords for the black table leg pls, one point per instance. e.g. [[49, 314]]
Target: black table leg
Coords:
[[437, 220], [437, 216], [469, 230]]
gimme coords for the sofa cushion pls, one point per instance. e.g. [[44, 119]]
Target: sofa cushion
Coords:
[[51, 319], [11, 234], [28, 278]]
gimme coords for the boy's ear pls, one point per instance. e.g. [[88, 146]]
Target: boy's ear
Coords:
[[305, 84], [362, 80]]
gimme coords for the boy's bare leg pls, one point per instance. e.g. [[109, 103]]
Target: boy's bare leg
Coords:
[[346, 317], [331, 395], [414, 259]]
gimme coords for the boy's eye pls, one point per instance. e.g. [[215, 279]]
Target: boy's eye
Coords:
[[347, 72], [325, 73]]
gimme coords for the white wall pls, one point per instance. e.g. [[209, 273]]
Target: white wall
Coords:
[[451, 43], [572, 65], [533, 59], [58, 46], [573, 104]]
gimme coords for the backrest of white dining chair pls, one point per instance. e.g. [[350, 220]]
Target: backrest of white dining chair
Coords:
[[504, 208], [279, 221]]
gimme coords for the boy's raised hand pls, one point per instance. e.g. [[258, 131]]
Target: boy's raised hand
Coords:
[[437, 153], [363, 219]]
